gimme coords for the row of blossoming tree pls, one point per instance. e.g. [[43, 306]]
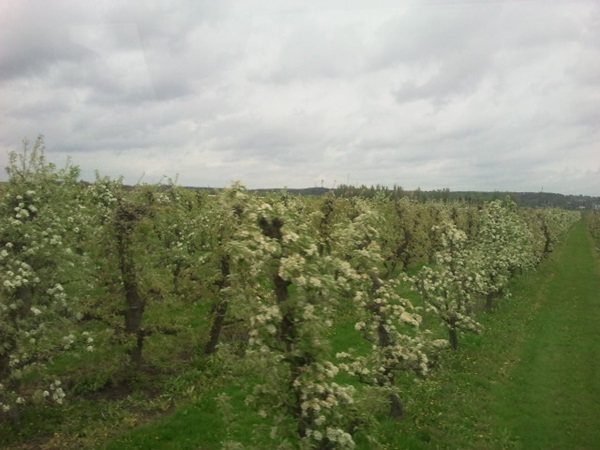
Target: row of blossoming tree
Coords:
[[91, 267]]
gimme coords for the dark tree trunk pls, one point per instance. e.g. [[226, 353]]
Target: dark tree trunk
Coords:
[[548, 239], [453, 337], [489, 302], [288, 333], [134, 309], [403, 252], [216, 327], [396, 408], [176, 272], [220, 310], [383, 341], [324, 246], [135, 303]]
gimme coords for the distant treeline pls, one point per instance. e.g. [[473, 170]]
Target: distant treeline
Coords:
[[526, 199]]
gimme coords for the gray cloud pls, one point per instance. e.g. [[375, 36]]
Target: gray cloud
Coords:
[[464, 95]]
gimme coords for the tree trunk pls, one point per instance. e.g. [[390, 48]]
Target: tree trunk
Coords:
[[134, 312], [220, 310], [548, 239], [176, 272], [383, 341], [396, 408], [135, 303], [453, 337], [489, 302], [288, 333]]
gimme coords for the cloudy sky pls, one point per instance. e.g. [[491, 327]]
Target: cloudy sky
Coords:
[[465, 95]]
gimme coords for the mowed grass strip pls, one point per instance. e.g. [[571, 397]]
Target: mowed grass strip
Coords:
[[531, 380], [550, 397]]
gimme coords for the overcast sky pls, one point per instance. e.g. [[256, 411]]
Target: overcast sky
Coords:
[[465, 95]]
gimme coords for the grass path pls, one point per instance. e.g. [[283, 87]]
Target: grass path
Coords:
[[550, 397], [531, 380]]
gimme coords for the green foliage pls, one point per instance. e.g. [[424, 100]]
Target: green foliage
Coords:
[[236, 289], [594, 227], [40, 231], [385, 319], [290, 292], [503, 245], [449, 286]]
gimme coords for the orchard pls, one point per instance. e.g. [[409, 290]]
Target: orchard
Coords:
[[324, 311]]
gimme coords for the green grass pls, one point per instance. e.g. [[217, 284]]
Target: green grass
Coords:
[[531, 380], [551, 397]]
